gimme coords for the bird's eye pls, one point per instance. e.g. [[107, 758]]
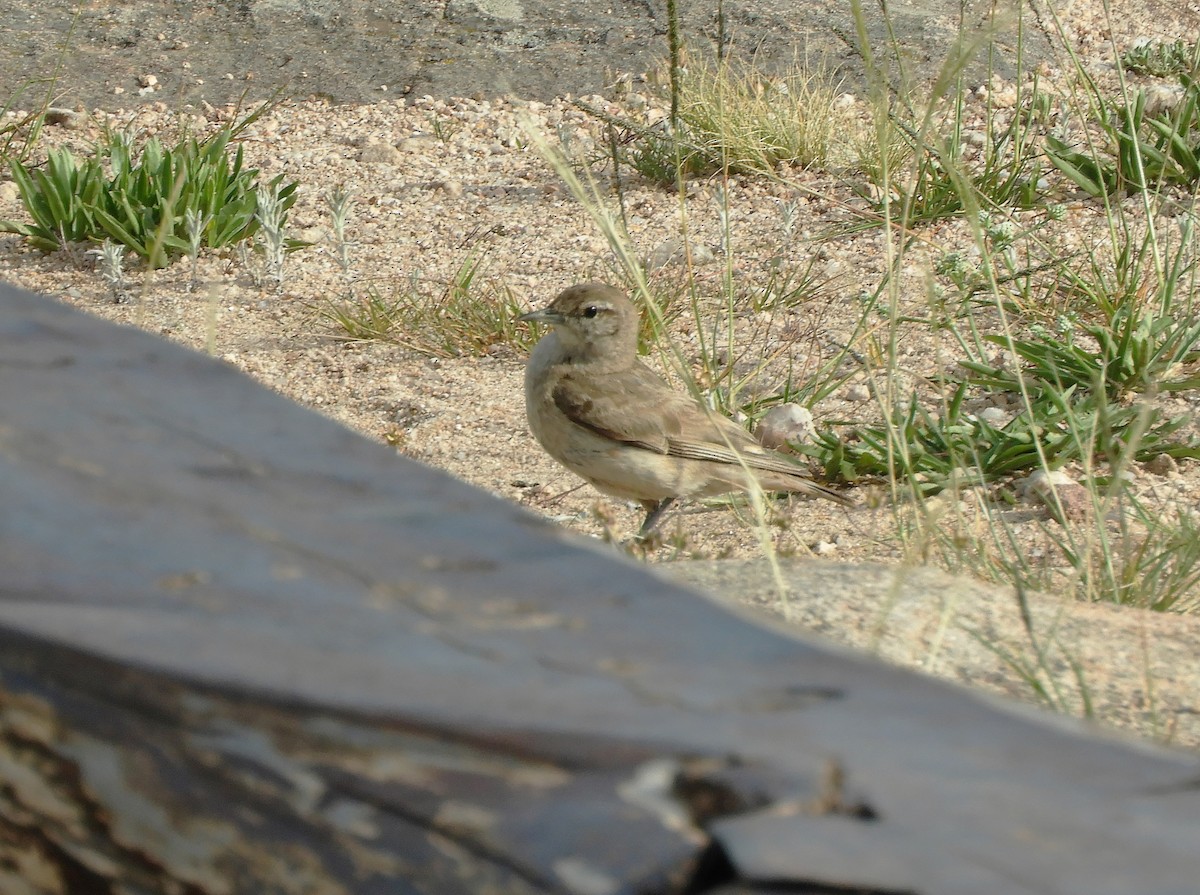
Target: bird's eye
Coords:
[[590, 311]]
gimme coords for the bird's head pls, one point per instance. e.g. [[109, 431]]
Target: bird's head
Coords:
[[591, 319]]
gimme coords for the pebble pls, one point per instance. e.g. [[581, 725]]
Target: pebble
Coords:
[[784, 424], [65, 118], [996, 417], [1043, 485], [380, 154], [1162, 465], [857, 392], [672, 252]]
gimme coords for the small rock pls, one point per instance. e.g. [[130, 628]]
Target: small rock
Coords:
[[857, 392], [1055, 489], [65, 118], [995, 416], [674, 251], [9, 192], [147, 81], [785, 424], [379, 154], [1161, 99], [824, 548], [1163, 465]]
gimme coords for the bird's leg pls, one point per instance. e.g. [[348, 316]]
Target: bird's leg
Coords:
[[654, 511]]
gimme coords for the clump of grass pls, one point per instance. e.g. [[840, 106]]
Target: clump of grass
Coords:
[[664, 155], [745, 121], [929, 176], [934, 449], [730, 118], [141, 197], [467, 316]]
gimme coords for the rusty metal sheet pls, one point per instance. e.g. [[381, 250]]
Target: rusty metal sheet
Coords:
[[289, 651]]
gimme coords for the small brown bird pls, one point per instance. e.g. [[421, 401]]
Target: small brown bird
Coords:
[[606, 416]]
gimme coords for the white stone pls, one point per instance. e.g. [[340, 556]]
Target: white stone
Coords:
[[784, 424]]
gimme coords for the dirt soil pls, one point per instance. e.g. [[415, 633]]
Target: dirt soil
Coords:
[[440, 182]]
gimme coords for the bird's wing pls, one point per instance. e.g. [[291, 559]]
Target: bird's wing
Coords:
[[748, 452], [635, 406], [704, 434]]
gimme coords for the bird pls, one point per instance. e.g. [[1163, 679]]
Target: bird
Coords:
[[597, 409]]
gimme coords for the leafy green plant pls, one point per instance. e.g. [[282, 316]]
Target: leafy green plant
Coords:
[[62, 198], [1134, 327], [1137, 351], [1140, 151], [144, 203], [1161, 59], [934, 450]]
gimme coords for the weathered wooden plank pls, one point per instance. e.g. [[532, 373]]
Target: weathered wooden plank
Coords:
[[244, 650]]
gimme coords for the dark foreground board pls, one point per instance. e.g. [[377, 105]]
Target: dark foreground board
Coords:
[[244, 650]]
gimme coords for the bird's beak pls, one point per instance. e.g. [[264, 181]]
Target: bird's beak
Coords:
[[543, 315]]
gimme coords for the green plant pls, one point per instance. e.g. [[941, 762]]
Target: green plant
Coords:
[[340, 201], [726, 118], [144, 204], [940, 182], [1140, 151], [1143, 334], [109, 264], [1161, 59], [444, 127], [952, 446], [372, 317], [1137, 351], [62, 199]]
